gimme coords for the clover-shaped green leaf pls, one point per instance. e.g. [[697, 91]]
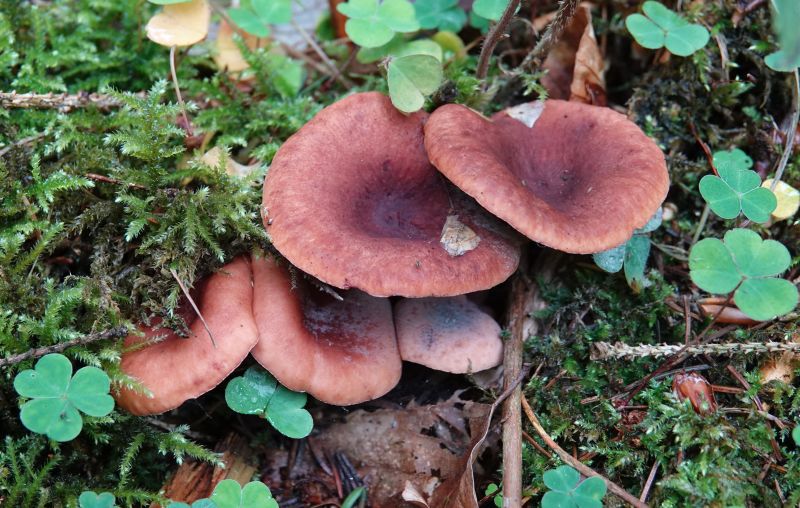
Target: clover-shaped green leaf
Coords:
[[743, 259], [735, 191], [398, 47], [372, 25], [229, 494], [89, 499], [440, 14], [258, 393], [411, 78], [632, 255], [784, 23], [732, 160], [796, 435], [660, 27], [490, 9], [200, 503], [566, 491], [56, 396], [255, 16]]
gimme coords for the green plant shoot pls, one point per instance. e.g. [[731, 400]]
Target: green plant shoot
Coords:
[[796, 435], [57, 397], [440, 15], [737, 189], [660, 27], [632, 255], [168, 2], [372, 25], [747, 264], [568, 491], [91, 499], [258, 393], [255, 16]]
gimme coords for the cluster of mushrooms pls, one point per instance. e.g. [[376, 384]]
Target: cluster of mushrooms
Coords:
[[381, 204]]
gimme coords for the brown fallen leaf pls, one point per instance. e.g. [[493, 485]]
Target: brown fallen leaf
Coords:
[[781, 367], [180, 24], [575, 65], [415, 444], [729, 314], [228, 57]]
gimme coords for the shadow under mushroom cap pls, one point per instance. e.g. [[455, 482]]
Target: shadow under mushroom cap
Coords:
[[352, 199], [580, 180]]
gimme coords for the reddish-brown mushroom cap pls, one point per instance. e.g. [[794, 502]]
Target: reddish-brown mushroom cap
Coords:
[[581, 179], [177, 369], [341, 352], [448, 334], [352, 199]]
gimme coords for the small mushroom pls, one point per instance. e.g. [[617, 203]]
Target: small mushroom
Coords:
[[352, 199], [448, 334], [574, 177], [176, 369], [341, 352]]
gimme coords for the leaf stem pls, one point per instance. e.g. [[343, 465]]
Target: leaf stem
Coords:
[[493, 37]]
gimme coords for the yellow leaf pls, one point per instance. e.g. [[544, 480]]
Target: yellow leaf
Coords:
[[212, 158], [228, 56], [788, 199], [180, 24]]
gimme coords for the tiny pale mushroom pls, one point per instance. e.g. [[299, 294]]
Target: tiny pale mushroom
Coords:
[[352, 200], [180, 24], [176, 369], [341, 352], [573, 177], [448, 334]]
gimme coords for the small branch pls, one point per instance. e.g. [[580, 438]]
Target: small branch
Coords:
[[112, 333], [325, 60], [194, 305], [608, 351], [649, 483], [62, 102], [115, 181], [24, 141], [575, 463], [493, 37], [790, 133], [566, 9]]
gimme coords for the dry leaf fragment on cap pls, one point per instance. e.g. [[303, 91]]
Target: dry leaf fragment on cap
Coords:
[[575, 65], [458, 238], [180, 24], [227, 56]]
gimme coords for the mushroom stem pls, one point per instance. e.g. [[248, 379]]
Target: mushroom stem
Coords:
[[790, 132], [188, 124]]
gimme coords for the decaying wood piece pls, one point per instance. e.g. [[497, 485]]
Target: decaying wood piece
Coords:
[[62, 102], [195, 480]]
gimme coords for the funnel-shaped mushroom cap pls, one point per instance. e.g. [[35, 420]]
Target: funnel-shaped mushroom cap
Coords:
[[341, 352], [447, 334], [580, 180], [177, 368], [352, 199]]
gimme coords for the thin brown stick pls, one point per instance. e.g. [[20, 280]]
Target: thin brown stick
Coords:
[[112, 333], [649, 483], [115, 181], [325, 60], [575, 463], [493, 37], [24, 141], [194, 305], [62, 102], [512, 418]]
